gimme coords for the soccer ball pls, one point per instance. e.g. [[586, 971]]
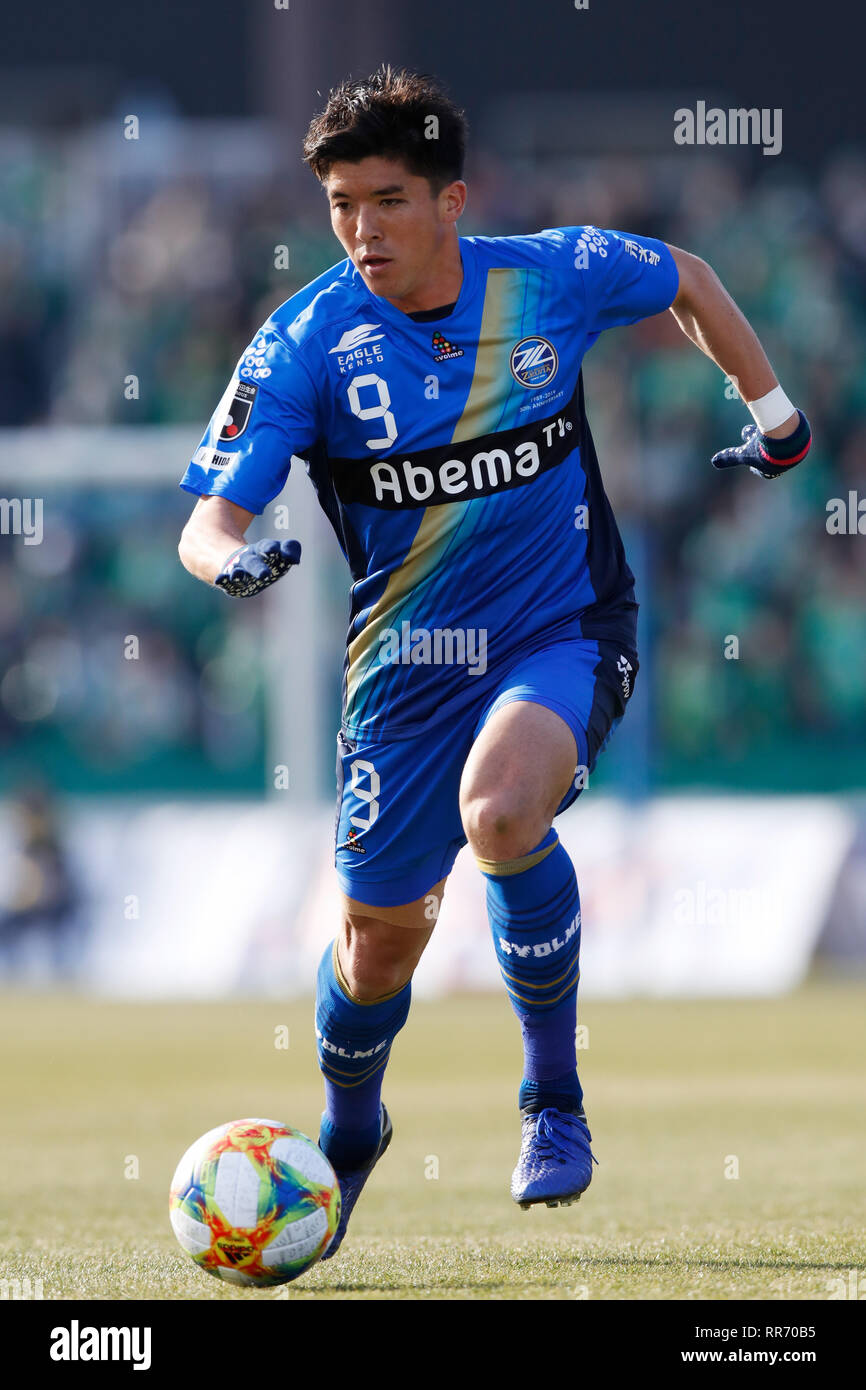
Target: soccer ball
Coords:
[[254, 1202]]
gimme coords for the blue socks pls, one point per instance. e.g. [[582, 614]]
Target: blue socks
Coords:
[[354, 1040], [534, 913]]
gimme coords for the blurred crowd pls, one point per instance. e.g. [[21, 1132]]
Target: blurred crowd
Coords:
[[117, 671], [40, 894], [113, 263]]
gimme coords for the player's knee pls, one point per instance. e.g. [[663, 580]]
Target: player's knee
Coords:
[[376, 958], [501, 825]]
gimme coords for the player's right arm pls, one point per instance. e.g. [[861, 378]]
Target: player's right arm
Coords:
[[245, 569], [216, 528], [268, 413]]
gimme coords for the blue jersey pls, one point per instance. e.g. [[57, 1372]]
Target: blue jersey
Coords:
[[452, 458]]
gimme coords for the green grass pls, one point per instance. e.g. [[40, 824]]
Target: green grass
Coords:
[[673, 1090]]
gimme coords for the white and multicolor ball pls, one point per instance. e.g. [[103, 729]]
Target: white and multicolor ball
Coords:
[[254, 1202]]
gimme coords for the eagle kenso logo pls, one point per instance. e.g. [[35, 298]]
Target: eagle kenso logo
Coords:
[[359, 347], [533, 362], [354, 337], [491, 463]]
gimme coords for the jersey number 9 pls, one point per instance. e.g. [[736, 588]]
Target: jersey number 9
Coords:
[[374, 412]]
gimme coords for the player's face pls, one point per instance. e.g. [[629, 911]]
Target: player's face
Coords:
[[398, 234]]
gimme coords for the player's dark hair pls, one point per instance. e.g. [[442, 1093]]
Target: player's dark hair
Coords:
[[388, 114]]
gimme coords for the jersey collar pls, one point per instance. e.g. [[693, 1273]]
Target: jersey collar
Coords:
[[467, 290]]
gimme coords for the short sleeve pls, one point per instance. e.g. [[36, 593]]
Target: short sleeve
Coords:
[[269, 411], [625, 277]]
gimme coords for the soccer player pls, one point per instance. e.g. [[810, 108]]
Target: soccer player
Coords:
[[432, 383]]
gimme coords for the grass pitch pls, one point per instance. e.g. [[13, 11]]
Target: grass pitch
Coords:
[[99, 1100]]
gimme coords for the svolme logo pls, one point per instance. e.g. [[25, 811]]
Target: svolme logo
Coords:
[[351, 1054], [736, 126], [77, 1343], [540, 948]]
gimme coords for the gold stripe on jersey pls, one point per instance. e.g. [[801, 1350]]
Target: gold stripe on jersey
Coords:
[[501, 328], [421, 560]]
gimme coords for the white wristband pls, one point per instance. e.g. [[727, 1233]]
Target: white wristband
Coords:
[[771, 410]]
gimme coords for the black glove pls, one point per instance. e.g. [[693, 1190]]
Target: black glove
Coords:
[[766, 457], [252, 568]]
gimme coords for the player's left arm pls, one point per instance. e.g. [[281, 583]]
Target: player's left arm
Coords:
[[706, 313]]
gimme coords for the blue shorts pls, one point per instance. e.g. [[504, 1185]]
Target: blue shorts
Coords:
[[398, 825]]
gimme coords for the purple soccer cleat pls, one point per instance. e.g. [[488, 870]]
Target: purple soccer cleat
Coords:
[[555, 1163], [352, 1181]]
